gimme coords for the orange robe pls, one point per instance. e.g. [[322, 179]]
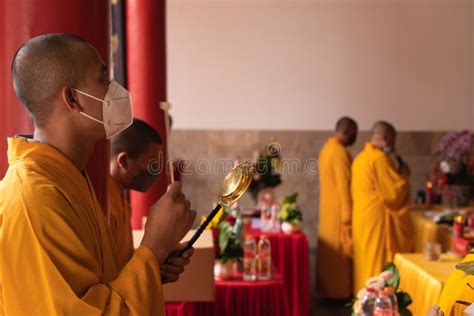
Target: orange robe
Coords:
[[456, 289], [119, 221], [334, 265], [381, 215], [57, 255]]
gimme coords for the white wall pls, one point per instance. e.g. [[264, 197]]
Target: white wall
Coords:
[[299, 65]]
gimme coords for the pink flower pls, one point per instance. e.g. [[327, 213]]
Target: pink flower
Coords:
[[386, 275], [376, 283], [361, 294]]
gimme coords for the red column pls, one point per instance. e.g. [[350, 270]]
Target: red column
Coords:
[[146, 77], [21, 20]]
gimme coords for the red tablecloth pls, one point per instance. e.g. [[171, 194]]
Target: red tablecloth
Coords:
[[290, 258], [179, 309], [242, 298]]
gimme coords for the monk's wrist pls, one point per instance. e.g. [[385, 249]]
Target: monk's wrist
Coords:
[[160, 253]]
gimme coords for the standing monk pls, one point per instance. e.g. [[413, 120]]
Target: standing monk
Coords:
[[334, 251], [57, 255], [381, 195]]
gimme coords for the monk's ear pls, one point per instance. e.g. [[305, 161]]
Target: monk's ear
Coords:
[[69, 97], [122, 160]]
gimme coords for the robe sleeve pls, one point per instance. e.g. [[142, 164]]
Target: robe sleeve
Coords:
[[392, 186], [51, 261], [342, 175]]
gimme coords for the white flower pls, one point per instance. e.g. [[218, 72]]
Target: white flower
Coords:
[[358, 307], [444, 167], [361, 294], [376, 283], [386, 275]]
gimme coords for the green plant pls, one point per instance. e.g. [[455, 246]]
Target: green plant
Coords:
[[394, 281], [229, 238], [289, 211]]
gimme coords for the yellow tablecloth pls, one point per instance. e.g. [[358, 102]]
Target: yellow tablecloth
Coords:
[[426, 230], [423, 279]]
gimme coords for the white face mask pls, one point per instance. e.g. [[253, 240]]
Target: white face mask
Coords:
[[116, 109]]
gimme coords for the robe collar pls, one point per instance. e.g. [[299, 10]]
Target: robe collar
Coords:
[[24, 148]]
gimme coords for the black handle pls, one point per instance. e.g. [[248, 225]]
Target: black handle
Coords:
[[198, 233], [201, 228]]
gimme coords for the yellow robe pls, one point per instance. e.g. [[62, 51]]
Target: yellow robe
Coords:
[[119, 221], [57, 256], [381, 217], [456, 289], [334, 266]]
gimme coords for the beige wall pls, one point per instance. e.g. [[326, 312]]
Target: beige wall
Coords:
[[299, 65]]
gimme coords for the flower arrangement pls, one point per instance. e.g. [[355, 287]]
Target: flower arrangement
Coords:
[[389, 278], [457, 150], [266, 170], [227, 229], [455, 144], [290, 215]]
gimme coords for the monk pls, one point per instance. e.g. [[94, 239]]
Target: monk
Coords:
[[334, 249], [57, 254], [132, 153], [381, 200], [134, 159], [458, 291]]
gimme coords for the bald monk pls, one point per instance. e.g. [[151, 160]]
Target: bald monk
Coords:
[[381, 200], [134, 159], [131, 153], [458, 287], [334, 249], [57, 254]]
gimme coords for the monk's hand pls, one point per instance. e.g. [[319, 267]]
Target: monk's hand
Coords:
[[402, 166], [346, 240], [168, 221], [175, 263], [405, 169]]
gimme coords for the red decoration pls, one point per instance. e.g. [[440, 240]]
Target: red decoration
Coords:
[[237, 297], [462, 246], [180, 309]]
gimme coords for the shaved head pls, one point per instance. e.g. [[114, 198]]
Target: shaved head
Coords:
[[346, 131], [135, 156], [384, 128], [41, 67], [345, 123], [384, 135], [135, 139]]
